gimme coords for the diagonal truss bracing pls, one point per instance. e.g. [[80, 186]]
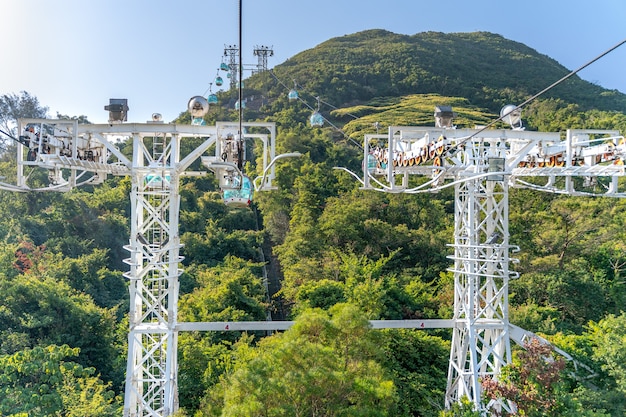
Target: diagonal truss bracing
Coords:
[[154, 270], [480, 342]]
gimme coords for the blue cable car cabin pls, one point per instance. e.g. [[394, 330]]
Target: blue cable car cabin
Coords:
[[212, 98], [317, 119], [372, 164], [239, 197], [293, 94], [219, 81], [224, 66]]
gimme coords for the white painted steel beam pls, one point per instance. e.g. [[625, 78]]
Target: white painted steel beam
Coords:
[[225, 326]]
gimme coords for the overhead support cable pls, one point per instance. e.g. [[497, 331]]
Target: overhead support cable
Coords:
[[548, 88]]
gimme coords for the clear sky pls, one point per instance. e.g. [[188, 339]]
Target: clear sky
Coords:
[[74, 55]]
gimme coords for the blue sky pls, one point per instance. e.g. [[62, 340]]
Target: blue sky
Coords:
[[76, 54]]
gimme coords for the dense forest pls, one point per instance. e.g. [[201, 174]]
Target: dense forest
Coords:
[[336, 255]]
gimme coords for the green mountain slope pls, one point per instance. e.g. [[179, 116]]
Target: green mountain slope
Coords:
[[483, 67]]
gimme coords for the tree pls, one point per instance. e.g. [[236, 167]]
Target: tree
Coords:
[[465, 408], [418, 363], [609, 337], [537, 385], [325, 365], [216, 244], [13, 107], [301, 253], [82, 119], [37, 310], [321, 294], [530, 382], [228, 292], [42, 382], [569, 228], [594, 383], [577, 296]]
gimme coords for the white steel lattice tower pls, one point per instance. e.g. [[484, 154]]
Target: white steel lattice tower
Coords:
[[481, 164], [480, 340], [262, 52], [75, 155], [154, 271], [232, 54]]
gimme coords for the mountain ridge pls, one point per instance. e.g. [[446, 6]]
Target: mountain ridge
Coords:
[[486, 68]]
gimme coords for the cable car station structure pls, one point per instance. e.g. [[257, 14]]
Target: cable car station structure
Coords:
[[481, 165], [85, 154]]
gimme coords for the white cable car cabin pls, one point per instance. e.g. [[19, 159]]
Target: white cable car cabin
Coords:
[[239, 197], [317, 120]]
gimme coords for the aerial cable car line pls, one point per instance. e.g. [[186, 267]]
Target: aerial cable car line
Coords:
[[551, 86], [482, 165], [319, 99], [211, 98], [317, 120], [337, 108], [10, 136], [297, 97]]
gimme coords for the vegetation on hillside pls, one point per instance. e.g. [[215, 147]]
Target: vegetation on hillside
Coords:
[[338, 255]]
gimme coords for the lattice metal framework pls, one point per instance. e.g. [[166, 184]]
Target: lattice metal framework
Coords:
[[481, 165], [74, 155], [232, 54], [153, 275], [480, 341], [262, 52]]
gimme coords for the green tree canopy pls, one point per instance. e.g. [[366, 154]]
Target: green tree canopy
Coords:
[[45, 382], [15, 106], [325, 365]]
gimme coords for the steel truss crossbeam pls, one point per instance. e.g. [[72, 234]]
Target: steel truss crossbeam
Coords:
[[240, 326]]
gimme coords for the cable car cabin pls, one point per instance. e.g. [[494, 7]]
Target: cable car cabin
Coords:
[[239, 197], [219, 81], [372, 163], [157, 181], [293, 94], [224, 66], [317, 120], [212, 98]]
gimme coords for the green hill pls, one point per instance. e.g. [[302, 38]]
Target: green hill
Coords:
[[485, 68], [336, 254]]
